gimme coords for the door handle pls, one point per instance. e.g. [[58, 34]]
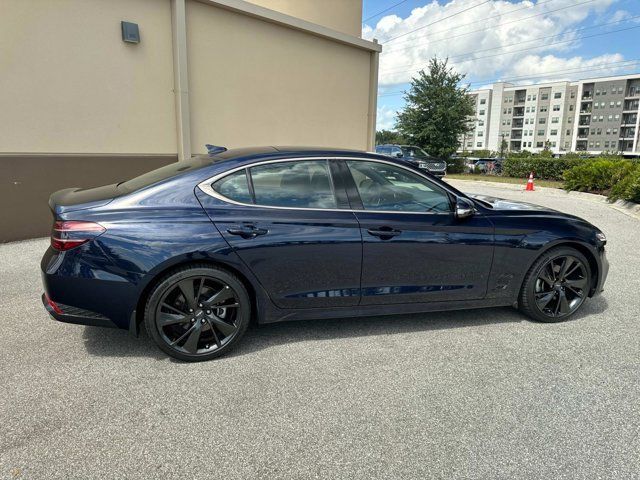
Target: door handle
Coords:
[[385, 233], [247, 231]]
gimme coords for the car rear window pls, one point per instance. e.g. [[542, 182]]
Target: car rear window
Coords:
[[164, 173]]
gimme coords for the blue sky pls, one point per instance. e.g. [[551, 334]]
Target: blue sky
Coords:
[[491, 40]]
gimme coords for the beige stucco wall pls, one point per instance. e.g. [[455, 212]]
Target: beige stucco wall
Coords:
[[253, 82], [68, 83], [341, 15]]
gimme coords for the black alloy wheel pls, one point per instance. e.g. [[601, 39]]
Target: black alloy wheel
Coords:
[[198, 313], [556, 286]]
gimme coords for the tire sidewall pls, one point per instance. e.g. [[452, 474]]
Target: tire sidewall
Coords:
[[169, 282]]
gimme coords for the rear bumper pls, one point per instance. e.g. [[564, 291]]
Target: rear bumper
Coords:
[[68, 314]]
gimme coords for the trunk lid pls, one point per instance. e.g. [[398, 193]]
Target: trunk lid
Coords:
[[73, 199]]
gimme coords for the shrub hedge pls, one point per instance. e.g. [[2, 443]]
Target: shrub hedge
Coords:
[[597, 176], [545, 168], [609, 175]]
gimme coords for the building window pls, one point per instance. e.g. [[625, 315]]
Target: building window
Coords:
[[540, 132], [567, 144], [557, 95], [571, 108], [556, 108], [483, 101], [606, 144], [618, 103], [553, 132], [611, 104], [481, 123], [573, 94], [553, 144], [504, 122], [615, 131], [608, 131], [569, 120], [480, 134], [504, 111], [528, 98], [555, 119], [529, 144], [598, 131], [610, 117], [481, 112], [598, 92], [509, 110], [479, 144], [617, 116], [601, 118], [542, 121], [540, 144], [544, 96], [597, 144], [534, 97], [604, 92], [568, 131], [543, 109]]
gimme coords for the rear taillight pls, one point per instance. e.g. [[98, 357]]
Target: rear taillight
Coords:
[[66, 235]]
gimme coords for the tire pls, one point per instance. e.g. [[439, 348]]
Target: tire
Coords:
[[198, 312], [545, 285]]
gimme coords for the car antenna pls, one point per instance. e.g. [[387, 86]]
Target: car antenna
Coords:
[[214, 149]]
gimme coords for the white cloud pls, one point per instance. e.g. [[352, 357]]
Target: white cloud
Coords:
[[569, 68], [487, 27], [386, 118]]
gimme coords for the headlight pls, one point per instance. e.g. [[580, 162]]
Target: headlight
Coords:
[[601, 237]]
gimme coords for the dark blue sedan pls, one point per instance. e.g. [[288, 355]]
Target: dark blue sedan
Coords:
[[197, 249]]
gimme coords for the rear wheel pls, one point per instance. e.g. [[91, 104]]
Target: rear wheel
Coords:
[[556, 286], [198, 313]]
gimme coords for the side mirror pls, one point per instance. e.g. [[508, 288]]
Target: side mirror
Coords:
[[398, 154], [464, 208]]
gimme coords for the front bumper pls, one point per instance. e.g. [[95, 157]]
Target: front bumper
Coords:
[[604, 271]]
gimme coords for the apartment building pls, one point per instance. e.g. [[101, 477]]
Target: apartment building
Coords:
[[591, 116]]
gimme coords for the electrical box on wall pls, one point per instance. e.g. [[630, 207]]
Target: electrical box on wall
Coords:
[[130, 32]]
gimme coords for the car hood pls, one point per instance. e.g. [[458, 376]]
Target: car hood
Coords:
[[502, 204]]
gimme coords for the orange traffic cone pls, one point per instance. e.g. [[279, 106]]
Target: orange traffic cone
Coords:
[[530, 183]]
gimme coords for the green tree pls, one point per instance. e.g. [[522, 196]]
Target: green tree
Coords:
[[389, 136], [437, 111]]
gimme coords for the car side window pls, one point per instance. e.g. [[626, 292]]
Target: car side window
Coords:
[[390, 188], [396, 152], [234, 187], [296, 184]]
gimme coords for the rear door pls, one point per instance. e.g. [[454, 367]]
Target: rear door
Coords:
[[289, 221], [414, 249]]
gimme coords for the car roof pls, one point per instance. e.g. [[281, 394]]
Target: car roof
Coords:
[[261, 153]]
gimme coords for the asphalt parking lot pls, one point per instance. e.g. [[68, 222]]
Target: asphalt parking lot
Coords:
[[475, 394]]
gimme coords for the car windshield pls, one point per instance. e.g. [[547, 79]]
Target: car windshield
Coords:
[[413, 152]]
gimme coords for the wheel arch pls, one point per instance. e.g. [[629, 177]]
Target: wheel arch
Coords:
[[138, 316], [584, 249]]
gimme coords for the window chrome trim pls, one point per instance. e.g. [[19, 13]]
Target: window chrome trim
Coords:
[[205, 186]]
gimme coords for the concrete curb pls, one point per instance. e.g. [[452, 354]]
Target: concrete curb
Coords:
[[628, 208]]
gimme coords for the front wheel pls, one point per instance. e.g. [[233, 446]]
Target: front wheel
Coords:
[[197, 313], [556, 286]]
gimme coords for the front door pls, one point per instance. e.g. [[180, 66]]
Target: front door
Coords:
[[292, 228], [414, 248]]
